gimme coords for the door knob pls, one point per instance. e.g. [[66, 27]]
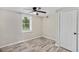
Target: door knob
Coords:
[[75, 33]]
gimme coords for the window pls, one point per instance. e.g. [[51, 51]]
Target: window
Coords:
[[26, 23]]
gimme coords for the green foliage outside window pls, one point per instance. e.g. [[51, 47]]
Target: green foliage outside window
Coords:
[[25, 24]]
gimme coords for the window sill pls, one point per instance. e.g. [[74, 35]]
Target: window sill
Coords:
[[26, 31]]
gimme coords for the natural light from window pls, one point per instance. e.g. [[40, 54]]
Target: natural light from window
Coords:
[[26, 23]]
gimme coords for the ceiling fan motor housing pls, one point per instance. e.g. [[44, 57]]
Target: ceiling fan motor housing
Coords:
[[34, 8], [37, 10]]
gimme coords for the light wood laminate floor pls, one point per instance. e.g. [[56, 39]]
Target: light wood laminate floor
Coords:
[[36, 45]]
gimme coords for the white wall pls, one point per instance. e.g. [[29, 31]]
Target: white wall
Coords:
[[10, 28], [78, 31], [50, 26]]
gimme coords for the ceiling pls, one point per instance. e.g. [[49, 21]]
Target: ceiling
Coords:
[[49, 10]]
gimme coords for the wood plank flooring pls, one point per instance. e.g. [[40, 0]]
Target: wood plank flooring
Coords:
[[36, 45]]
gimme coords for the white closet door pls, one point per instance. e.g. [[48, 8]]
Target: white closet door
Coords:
[[67, 29]]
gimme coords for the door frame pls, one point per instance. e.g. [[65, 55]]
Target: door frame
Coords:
[[59, 21], [77, 32]]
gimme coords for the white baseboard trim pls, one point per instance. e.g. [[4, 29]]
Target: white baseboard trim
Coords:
[[28, 40], [18, 42], [52, 38]]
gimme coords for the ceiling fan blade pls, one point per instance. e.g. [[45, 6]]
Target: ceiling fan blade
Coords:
[[28, 9], [31, 12], [41, 11]]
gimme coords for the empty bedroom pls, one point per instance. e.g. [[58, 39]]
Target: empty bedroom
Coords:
[[39, 29]]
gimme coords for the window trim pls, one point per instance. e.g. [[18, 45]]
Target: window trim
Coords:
[[30, 19]]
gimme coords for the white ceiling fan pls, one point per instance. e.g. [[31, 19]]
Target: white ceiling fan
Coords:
[[36, 10]]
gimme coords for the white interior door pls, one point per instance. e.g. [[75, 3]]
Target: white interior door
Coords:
[[68, 29]]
